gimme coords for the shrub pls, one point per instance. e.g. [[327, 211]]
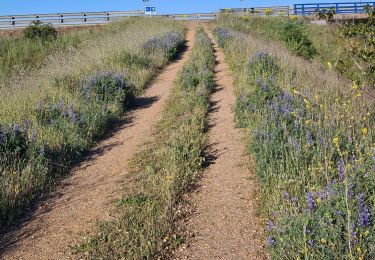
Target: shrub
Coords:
[[223, 36], [361, 39], [23, 157], [292, 33], [130, 59], [40, 31], [108, 88], [170, 43]]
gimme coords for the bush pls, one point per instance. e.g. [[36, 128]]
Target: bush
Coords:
[[40, 31], [292, 33], [170, 43], [223, 36]]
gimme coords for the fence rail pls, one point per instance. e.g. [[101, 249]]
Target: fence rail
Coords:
[[197, 16], [65, 19], [339, 8], [272, 10], [91, 18]]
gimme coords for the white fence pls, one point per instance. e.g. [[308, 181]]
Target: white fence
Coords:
[[65, 19]]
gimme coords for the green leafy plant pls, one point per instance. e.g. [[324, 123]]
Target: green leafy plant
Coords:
[[40, 31], [296, 40], [361, 41]]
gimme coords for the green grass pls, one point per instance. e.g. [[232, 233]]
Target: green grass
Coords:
[[291, 33], [50, 117], [20, 55], [164, 171], [312, 134], [311, 41]]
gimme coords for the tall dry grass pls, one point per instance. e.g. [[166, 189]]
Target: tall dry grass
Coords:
[[52, 115]]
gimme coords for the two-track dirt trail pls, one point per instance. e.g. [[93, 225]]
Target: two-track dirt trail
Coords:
[[225, 222], [86, 195]]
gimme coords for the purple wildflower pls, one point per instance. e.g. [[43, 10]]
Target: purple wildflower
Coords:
[[270, 241], [364, 219], [74, 118], [270, 225], [41, 151], [26, 125], [341, 168], [33, 135], [310, 201], [286, 195], [309, 137], [353, 234]]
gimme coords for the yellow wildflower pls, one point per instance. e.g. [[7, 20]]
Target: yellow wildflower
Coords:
[[295, 91], [359, 94], [355, 86], [306, 101], [366, 233], [359, 249], [364, 131], [329, 65], [318, 200], [360, 258], [323, 240], [335, 141]]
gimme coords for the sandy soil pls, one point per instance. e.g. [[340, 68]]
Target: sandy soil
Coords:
[[85, 196], [224, 223]]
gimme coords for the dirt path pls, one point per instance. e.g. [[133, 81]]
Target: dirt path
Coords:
[[86, 195], [224, 222]]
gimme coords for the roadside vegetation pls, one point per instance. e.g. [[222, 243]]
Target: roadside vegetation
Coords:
[[331, 45], [164, 171], [23, 54], [312, 134], [51, 117]]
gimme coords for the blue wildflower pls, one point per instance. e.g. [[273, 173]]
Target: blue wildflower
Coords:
[[310, 201], [364, 219]]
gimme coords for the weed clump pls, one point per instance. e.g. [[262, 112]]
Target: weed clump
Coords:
[[170, 43], [40, 31]]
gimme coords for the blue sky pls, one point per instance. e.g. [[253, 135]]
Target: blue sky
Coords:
[[163, 6]]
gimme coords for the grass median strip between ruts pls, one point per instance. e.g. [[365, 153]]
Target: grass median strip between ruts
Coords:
[[164, 170]]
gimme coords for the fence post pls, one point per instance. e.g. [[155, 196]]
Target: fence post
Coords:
[[303, 9], [107, 16], [61, 18], [84, 19], [337, 8], [355, 8], [12, 22]]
